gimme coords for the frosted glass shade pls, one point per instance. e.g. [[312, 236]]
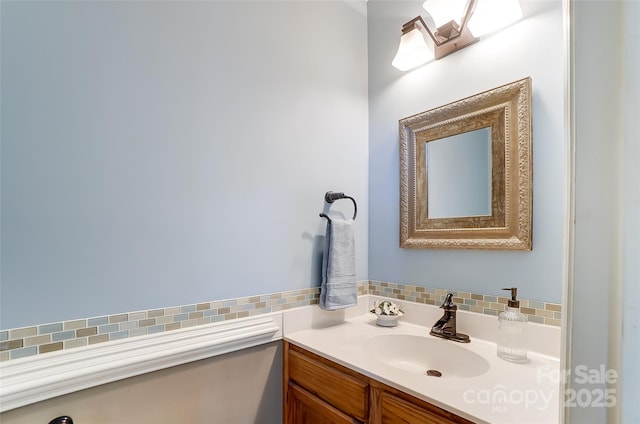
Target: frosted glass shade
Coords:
[[413, 51], [492, 15]]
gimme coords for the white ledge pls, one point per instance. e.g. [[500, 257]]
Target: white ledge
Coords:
[[34, 379]]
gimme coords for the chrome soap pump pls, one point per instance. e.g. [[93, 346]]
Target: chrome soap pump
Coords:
[[512, 325]]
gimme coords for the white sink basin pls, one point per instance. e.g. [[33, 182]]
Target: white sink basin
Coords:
[[419, 354]]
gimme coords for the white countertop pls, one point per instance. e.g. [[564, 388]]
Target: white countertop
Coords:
[[505, 393]]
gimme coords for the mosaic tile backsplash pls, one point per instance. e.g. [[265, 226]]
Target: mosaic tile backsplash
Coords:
[[41, 339], [540, 312]]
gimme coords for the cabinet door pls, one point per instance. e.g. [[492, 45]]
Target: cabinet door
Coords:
[[328, 382], [305, 408], [394, 410]]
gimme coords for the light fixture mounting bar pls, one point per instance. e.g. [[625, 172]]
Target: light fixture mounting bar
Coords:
[[408, 26], [449, 37], [459, 41]]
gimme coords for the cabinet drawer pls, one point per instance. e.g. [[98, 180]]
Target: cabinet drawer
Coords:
[[395, 410], [347, 393], [305, 408]]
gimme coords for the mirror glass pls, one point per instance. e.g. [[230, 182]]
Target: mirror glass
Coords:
[[459, 175], [465, 172]]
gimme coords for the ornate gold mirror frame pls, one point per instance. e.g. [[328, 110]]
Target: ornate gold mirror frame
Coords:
[[506, 112]]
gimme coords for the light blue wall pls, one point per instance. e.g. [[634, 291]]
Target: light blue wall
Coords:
[[533, 47], [164, 153]]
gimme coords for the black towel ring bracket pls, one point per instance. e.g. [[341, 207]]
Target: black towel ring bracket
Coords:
[[331, 197]]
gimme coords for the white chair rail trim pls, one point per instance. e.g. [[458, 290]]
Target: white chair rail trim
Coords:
[[34, 379]]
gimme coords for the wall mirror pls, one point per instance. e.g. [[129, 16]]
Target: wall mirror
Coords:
[[465, 173]]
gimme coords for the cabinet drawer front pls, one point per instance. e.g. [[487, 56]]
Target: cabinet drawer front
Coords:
[[305, 408], [395, 410], [346, 393]]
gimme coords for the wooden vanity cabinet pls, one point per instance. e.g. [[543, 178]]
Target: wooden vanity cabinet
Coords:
[[393, 406], [304, 407], [319, 391]]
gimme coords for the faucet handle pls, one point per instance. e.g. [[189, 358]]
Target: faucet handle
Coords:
[[448, 303]]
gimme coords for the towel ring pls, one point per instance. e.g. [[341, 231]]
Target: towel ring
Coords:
[[331, 197]]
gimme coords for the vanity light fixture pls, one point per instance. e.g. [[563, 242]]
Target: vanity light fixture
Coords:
[[477, 18]]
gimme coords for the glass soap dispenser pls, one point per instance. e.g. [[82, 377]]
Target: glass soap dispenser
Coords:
[[512, 325]]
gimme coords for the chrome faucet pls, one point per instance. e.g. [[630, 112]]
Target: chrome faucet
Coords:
[[445, 327]]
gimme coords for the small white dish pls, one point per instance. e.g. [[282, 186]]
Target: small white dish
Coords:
[[387, 320]]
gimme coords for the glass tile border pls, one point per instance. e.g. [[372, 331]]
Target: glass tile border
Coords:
[[40, 339], [536, 311]]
